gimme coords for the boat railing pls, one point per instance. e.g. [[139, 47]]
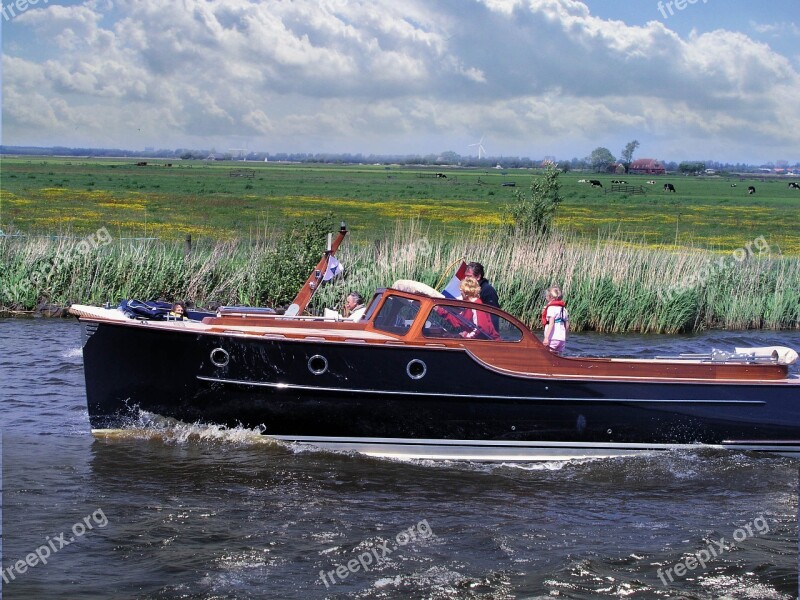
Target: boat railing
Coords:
[[250, 311], [721, 356], [257, 312]]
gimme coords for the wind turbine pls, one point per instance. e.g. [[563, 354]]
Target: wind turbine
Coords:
[[481, 149]]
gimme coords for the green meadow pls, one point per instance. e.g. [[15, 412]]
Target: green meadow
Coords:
[[707, 256], [212, 201]]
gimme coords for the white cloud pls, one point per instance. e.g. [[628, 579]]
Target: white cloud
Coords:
[[529, 74], [777, 29]]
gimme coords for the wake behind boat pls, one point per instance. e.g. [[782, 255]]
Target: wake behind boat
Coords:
[[414, 378]]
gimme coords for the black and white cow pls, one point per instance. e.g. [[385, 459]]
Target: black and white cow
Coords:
[[668, 187], [595, 183], [751, 189], [794, 184]]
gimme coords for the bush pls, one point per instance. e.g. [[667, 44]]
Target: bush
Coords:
[[534, 214], [285, 268]]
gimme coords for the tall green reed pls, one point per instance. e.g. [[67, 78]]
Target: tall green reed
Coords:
[[610, 284]]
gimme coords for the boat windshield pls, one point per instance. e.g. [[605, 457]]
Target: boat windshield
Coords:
[[396, 315], [446, 321], [373, 304]]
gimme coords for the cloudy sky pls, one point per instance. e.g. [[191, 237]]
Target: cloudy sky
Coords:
[[690, 79]]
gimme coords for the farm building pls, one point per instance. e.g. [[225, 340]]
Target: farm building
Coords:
[[647, 166]]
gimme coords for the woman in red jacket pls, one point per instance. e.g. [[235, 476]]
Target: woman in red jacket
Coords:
[[474, 323]]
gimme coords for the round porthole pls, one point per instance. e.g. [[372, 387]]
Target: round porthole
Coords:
[[317, 364], [220, 357], [416, 369]]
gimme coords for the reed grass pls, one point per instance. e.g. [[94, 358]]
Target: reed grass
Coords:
[[610, 285]]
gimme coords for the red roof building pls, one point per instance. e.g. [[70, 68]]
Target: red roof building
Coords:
[[647, 166]]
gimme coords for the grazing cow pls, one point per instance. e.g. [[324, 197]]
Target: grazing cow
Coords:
[[441, 176], [652, 182], [751, 189], [733, 185], [794, 185], [595, 183], [668, 187], [582, 181]]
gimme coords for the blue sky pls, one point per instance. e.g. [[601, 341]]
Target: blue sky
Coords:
[[776, 23], [708, 79]]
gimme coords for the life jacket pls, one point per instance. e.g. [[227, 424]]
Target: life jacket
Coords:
[[560, 319]]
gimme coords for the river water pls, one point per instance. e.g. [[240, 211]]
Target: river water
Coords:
[[182, 511]]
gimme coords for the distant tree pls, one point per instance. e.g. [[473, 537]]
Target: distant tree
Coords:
[[601, 158], [579, 163], [627, 154], [449, 158], [534, 214], [564, 166], [670, 165], [692, 167]]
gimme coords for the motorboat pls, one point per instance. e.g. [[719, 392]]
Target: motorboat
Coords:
[[415, 379]]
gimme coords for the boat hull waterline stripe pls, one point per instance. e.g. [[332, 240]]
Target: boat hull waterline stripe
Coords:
[[492, 450], [290, 386]]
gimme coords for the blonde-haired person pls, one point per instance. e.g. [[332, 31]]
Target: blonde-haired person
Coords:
[[480, 322], [555, 319], [474, 324]]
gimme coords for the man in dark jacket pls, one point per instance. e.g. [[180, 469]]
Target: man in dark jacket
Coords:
[[488, 293]]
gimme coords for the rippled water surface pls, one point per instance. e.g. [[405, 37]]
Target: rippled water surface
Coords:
[[182, 511]]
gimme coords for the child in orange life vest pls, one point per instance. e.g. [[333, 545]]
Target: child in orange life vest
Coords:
[[555, 320]]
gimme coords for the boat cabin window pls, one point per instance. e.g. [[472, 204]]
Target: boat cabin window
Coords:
[[373, 304], [473, 323], [396, 315]]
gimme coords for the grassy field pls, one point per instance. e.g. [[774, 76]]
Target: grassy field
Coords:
[[709, 255], [58, 195]]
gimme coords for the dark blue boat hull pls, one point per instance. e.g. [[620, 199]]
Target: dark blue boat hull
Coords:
[[351, 394]]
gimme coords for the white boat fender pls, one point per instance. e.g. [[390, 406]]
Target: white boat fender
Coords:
[[784, 355]]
